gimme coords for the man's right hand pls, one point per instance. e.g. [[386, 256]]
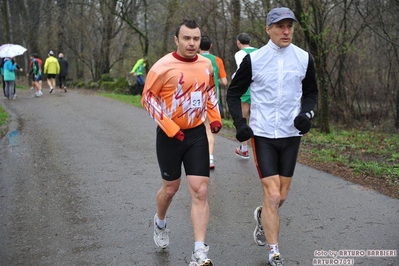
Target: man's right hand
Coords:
[[244, 132]]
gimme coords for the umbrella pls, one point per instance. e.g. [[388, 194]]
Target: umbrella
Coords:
[[11, 50]]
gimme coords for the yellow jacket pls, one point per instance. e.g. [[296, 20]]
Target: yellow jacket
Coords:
[[51, 66]]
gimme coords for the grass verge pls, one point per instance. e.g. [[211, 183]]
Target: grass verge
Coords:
[[3, 122], [364, 157]]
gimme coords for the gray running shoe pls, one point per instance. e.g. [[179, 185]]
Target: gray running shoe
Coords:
[[200, 257], [259, 234], [161, 235], [276, 261]]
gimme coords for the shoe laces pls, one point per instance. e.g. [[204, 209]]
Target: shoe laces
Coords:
[[162, 233], [201, 254]]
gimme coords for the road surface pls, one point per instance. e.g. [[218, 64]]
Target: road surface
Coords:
[[78, 177]]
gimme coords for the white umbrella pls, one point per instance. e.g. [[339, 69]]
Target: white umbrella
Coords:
[[11, 50]]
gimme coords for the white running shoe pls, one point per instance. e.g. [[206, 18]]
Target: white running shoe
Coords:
[[259, 234], [211, 163], [276, 261], [200, 257], [161, 235]]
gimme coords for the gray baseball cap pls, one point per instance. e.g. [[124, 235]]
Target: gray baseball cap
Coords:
[[277, 14]]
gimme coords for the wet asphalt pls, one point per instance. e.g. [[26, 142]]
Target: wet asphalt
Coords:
[[78, 177]]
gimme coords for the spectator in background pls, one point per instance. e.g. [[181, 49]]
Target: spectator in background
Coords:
[[63, 71], [243, 43], [52, 69], [220, 77], [36, 75], [40, 61], [138, 71], [20, 69], [9, 68], [2, 61]]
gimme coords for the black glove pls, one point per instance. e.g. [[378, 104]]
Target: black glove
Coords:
[[244, 132], [302, 122]]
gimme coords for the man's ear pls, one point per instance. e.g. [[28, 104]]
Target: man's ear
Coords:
[[176, 40]]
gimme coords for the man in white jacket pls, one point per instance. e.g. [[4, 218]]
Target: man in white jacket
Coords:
[[283, 88]]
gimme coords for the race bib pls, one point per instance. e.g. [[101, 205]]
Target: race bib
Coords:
[[196, 99]]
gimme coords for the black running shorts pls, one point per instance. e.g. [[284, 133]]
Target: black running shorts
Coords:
[[192, 152], [275, 156]]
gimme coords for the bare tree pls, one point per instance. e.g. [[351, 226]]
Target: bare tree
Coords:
[[4, 12], [354, 42]]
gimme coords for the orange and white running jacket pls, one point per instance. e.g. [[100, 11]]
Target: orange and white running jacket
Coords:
[[179, 93]]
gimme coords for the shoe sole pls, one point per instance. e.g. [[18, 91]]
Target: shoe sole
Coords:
[[207, 263], [242, 156], [256, 228]]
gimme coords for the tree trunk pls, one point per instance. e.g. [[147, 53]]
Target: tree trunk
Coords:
[[6, 21], [316, 43]]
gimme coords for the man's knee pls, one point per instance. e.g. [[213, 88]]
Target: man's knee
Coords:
[[169, 190], [273, 199]]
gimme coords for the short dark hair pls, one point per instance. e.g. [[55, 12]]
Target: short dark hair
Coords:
[[244, 38], [206, 42], [189, 23]]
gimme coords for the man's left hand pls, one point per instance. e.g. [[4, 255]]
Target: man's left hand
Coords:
[[216, 126], [302, 122]]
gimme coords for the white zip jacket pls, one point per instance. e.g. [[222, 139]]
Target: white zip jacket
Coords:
[[283, 85]]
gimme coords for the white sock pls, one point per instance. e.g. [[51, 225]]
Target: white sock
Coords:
[[160, 223], [198, 245], [244, 148], [211, 156], [273, 250]]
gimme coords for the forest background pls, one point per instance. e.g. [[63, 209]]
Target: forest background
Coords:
[[355, 44]]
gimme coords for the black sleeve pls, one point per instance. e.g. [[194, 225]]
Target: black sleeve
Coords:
[[309, 88], [238, 86]]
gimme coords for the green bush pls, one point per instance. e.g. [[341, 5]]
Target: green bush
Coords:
[[106, 78], [121, 86], [107, 86], [77, 84]]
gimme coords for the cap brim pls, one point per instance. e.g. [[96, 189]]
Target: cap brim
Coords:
[[282, 18]]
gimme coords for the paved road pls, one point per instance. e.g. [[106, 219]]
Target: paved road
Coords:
[[78, 177]]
